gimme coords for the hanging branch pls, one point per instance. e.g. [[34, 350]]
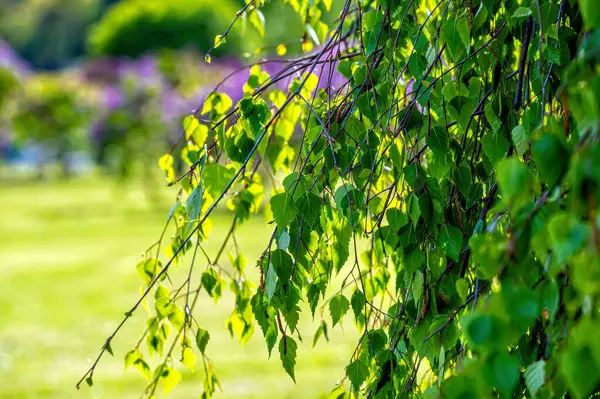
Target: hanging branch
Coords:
[[381, 179]]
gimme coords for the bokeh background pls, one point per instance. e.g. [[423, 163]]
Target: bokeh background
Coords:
[[92, 92]]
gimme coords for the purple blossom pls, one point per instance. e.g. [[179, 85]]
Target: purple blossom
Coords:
[[126, 81], [326, 72], [10, 59], [144, 72], [112, 98], [174, 106]]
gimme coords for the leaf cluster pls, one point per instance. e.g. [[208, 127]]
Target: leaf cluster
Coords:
[[451, 182]]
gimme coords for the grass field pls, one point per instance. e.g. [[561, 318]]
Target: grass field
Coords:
[[68, 252]]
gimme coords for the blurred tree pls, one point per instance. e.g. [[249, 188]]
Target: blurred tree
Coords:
[[134, 27], [8, 82], [48, 33], [51, 112], [135, 120], [130, 132]]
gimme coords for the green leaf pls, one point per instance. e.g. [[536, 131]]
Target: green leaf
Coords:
[[170, 379], [209, 280], [482, 330], [520, 139], [418, 286], [534, 377], [396, 218], [550, 297], [287, 354], [313, 35], [462, 288], [357, 372], [270, 282], [521, 13], [551, 159], [375, 35], [463, 31], [414, 211], [309, 206], [495, 146], [590, 13], [260, 311], [522, 304], [358, 302], [256, 113], [284, 209], [202, 338], [290, 295], [219, 40], [579, 362], [147, 269], [450, 334], [283, 240], [338, 306], [414, 260], [502, 372], [438, 137], [492, 119], [257, 20], [194, 130], [567, 235], [462, 177], [216, 178], [339, 249], [190, 123], [132, 356], [194, 204], [449, 91], [89, 381], [442, 363], [219, 103], [322, 330], [177, 318], [450, 240], [347, 196], [166, 162], [143, 368], [581, 372], [271, 338], [480, 16], [188, 358], [453, 39], [513, 179], [282, 263], [487, 251]]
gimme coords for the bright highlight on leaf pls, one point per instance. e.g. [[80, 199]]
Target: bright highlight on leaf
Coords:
[[281, 50], [219, 40]]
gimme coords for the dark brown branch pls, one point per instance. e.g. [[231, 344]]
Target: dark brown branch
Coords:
[[522, 63]]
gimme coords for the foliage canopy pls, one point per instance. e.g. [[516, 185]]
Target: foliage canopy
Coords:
[[133, 27], [452, 180]]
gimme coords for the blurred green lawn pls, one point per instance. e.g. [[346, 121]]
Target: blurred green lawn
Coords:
[[68, 252]]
